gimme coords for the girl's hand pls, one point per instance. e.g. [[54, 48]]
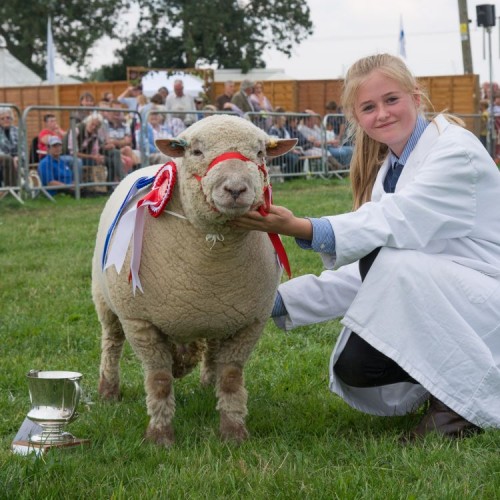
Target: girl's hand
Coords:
[[279, 220]]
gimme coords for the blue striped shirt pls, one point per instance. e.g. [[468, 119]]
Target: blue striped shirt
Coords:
[[323, 235]]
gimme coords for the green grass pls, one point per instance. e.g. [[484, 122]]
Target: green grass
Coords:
[[305, 442]]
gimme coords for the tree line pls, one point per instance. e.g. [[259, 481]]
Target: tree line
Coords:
[[169, 34]]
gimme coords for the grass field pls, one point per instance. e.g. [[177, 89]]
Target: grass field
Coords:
[[305, 442]]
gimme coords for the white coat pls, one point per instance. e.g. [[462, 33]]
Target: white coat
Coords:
[[431, 300]]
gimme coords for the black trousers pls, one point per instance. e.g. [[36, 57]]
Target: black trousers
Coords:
[[360, 364]]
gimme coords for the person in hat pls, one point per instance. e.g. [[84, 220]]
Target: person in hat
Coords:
[[53, 169]]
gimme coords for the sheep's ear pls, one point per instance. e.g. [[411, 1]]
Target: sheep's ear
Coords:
[[278, 147], [172, 147]]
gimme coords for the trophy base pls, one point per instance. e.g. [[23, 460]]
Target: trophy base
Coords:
[[31, 439]]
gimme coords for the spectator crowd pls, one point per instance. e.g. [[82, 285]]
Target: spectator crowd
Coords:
[[109, 138]]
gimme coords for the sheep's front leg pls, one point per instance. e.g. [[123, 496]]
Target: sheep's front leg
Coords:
[[231, 402], [152, 349], [230, 385]]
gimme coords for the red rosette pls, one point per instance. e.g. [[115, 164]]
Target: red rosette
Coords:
[[162, 190]]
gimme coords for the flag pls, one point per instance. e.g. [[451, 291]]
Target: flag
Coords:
[[50, 54], [402, 40]]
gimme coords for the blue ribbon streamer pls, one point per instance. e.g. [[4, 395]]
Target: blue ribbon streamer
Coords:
[[140, 183]]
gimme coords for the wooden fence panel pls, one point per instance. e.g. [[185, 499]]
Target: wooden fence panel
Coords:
[[457, 93]]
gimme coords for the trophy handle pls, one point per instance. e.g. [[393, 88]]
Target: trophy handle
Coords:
[[76, 397]]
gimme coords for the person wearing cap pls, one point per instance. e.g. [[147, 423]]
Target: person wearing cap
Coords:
[[53, 169]]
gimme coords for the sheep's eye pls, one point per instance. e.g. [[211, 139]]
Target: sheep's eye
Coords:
[[197, 152], [260, 154]]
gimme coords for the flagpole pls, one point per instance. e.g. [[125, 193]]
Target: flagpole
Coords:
[[402, 39], [51, 77]]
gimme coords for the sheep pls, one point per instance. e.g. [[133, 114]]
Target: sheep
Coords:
[[204, 289]]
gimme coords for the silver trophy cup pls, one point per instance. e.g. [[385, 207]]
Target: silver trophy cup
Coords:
[[54, 397]]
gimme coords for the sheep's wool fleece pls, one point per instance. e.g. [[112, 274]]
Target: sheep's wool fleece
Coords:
[[194, 288]]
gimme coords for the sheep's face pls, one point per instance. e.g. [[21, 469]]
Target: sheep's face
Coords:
[[222, 174]]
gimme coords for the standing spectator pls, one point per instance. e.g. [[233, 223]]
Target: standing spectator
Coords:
[[129, 96], [179, 101], [54, 169], [163, 91], [226, 97], [242, 98], [116, 132], [9, 138]]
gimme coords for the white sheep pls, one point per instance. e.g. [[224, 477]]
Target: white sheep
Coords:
[[207, 288]]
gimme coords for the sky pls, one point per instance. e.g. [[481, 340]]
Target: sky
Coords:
[[345, 30]]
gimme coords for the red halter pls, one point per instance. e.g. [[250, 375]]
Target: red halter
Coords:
[[263, 209]]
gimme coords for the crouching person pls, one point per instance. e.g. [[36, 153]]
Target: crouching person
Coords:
[[55, 169], [417, 263]]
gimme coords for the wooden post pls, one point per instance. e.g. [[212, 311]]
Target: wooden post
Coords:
[[464, 35]]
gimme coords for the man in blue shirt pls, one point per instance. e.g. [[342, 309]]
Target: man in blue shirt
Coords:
[[53, 169]]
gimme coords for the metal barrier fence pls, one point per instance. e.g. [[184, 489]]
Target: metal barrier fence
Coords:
[[322, 148]]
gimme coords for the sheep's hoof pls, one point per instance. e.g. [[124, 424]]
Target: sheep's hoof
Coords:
[[109, 391], [232, 431], [161, 436]]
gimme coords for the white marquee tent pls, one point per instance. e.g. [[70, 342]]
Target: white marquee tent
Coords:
[[13, 73]]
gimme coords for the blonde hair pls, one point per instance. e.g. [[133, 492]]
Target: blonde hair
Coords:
[[369, 154]]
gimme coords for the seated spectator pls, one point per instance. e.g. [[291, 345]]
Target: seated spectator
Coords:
[[342, 153], [54, 169], [181, 102], [86, 101], [199, 103], [259, 100], [93, 150], [52, 129], [156, 102], [116, 132], [226, 97], [161, 127], [210, 109], [290, 160], [9, 140], [310, 129], [338, 120], [261, 104]]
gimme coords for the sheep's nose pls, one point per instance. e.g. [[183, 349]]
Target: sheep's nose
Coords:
[[235, 193]]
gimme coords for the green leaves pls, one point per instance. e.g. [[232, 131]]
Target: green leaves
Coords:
[[76, 26], [230, 34]]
